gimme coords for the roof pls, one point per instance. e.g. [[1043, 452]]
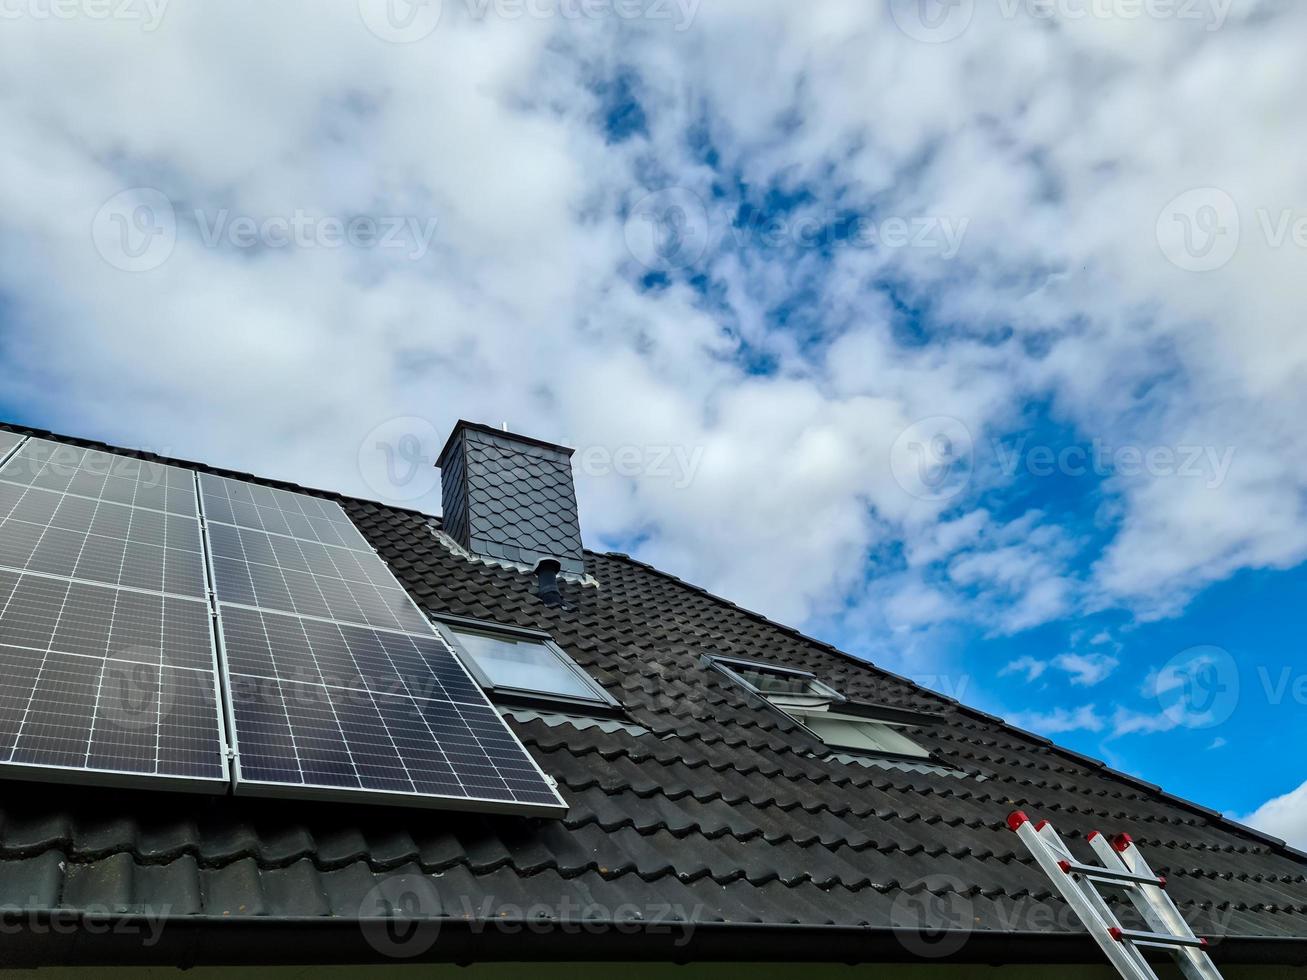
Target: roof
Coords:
[[720, 828]]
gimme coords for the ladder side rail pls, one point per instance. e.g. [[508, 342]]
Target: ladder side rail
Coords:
[[1105, 917], [1047, 849], [1157, 908]]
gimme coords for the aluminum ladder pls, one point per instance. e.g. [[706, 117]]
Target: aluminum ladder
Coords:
[[1123, 868]]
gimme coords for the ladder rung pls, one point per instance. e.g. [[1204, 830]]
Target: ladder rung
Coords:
[[1108, 875], [1158, 939]]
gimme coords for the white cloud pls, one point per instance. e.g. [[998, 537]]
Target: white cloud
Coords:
[[1087, 669], [1284, 817], [1032, 668], [1059, 143], [1127, 721], [1088, 718], [1061, 720]]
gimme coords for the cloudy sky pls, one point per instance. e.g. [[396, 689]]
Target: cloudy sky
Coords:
[[962, 334]]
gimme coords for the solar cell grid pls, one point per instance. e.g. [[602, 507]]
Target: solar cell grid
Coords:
[[333, 706], [44, 531], [279, 512], [247, 570], [336, 680], [305, 735], [296, 650], [107, 680], [102, 476]]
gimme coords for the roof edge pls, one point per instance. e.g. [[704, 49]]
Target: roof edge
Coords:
[[213, 940]]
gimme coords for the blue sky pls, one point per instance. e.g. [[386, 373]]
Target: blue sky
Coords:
[[971, 344]]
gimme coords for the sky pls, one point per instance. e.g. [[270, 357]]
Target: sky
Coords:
[[961, 334]]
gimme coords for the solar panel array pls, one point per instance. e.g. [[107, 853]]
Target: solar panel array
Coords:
[[333, 681], [336, 683], [107, 655]]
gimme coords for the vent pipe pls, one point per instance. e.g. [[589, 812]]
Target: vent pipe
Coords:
[[547, 591]]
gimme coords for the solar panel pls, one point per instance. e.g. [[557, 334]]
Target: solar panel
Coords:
[[98, 541], [98, 475], [337, 685], [280, 512], [113, 681], [309, 578], [107, 655]]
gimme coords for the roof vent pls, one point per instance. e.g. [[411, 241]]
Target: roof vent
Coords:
[[547, 590], [510, 497]]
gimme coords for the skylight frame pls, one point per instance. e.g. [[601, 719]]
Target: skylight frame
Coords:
[[822, 692], [602, 704], [826, 701]]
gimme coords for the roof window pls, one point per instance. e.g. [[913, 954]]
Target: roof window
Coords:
[[523, 666]]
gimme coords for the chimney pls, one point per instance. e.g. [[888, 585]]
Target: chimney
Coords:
[[510, 497]]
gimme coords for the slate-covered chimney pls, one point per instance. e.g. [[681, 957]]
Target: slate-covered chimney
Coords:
[[510, 497]]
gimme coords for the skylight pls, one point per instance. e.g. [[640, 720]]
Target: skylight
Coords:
[[782, 685], [514, 664], [826, 713]]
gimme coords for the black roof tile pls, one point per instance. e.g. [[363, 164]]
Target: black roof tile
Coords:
[[723, 813]]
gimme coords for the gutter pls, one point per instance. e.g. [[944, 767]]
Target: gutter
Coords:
[[64, 938]]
